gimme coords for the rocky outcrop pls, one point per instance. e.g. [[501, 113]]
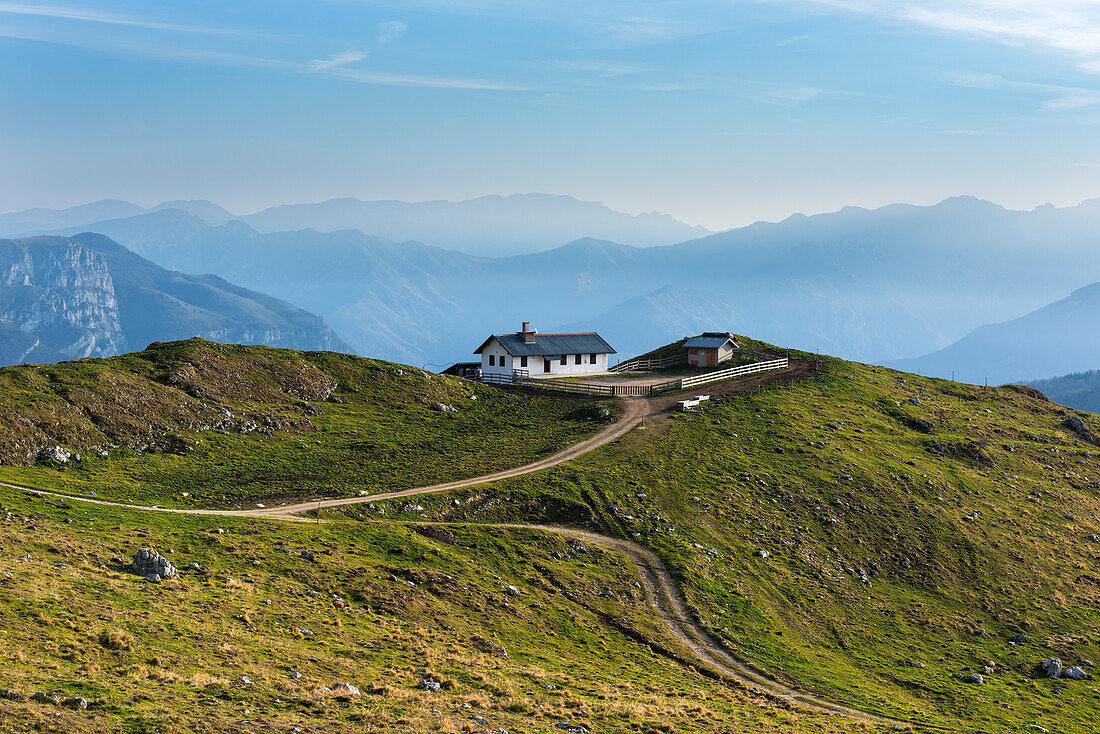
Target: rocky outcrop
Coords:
[[152, 565]]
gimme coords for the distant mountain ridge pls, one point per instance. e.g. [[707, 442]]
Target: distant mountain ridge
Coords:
[[488, 225], [88, 296], [1079, 390], [871, 285], [1055, 339]]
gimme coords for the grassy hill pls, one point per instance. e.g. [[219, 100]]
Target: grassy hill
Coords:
[[197, 424], [916, 530], [906, 542]]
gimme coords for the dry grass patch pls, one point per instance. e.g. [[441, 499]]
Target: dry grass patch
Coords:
[[116, 639]]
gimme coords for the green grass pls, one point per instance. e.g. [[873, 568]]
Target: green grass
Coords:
[[838, 478], [382, 434], [974, 510], [168, 657]]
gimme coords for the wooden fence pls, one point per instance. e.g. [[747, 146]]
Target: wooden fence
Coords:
[[633, 365], [748, 369], [632, 390], [520, 378]]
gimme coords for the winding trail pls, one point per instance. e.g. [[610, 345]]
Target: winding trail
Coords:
[[633, 412], [660, 588]]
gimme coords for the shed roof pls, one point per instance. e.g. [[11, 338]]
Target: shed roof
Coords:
[[546, 345], [707, 342]]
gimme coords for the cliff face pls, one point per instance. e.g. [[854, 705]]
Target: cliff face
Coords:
[[62, 293], [87, 296]]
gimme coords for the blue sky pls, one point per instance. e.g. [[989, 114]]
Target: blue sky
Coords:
[[717, 112]]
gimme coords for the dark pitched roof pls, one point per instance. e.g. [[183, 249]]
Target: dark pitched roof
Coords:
[[707, 342], [546, 345], [458, 368]]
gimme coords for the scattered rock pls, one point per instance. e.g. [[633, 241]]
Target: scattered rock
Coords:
[[345, 689], [41, 697], [603, 414], [571, 727], [444, 408], [76, 704], [1075, 673], [1078, 426], [149, 563], [512, 591], [971, 678], [193, 566], [920, 424], [244, 680], [911, 663], [1051, 667], [309, 556], [914, 400], [1019, 639], [10, 695], [493, 648], [430, 686], [762, 554]]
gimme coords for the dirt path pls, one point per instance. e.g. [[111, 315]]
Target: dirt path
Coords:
[[632, 412], [660, 589], [667, 600]]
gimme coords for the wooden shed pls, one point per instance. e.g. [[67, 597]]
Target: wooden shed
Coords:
[[710, 349]]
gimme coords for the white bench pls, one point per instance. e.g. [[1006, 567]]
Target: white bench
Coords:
[[686, 405]]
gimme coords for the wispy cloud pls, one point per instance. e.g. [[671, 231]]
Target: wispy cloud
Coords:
[[390, 31], [792, 40], [1058, 97], [341, 59], [413, 80], [1070, 26], [92, 16], [604, 68], [604, 24], [116, 46], [793, 95], [632, 30], [334, 65], [755, 133]]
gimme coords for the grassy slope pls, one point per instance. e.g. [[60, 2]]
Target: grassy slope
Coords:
[[957, 534], [167, 657], [383, 433], [835, 474]]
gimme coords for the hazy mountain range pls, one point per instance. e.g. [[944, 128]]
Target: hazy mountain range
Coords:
[[489, 225], [88, 296], [1055, 339], [882, 285]]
